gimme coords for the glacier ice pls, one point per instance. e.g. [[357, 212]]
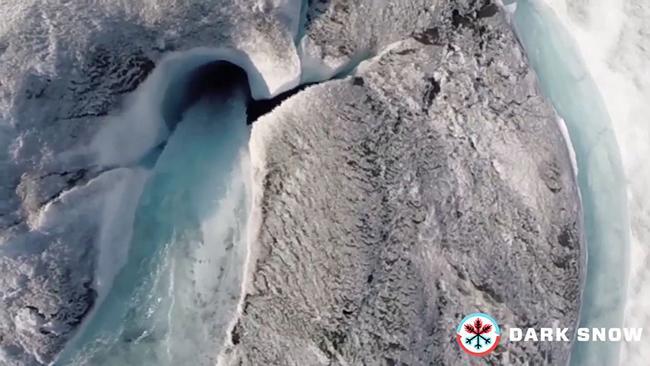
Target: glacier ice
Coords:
[[95, 99], [372, 176], [564, 78], [614, 39], [174, 297]]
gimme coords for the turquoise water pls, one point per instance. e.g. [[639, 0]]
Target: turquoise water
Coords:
[[565, 81], [170, 303]]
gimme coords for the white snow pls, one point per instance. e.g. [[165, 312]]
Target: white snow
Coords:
[[315, 67], [114, 195], [567, 139], [76, 204], [53, 42]]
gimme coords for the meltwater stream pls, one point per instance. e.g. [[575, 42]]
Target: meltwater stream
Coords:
[[172, 301], [564, 79]]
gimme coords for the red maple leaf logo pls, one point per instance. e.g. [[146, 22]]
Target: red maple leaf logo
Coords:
[[478, 327]]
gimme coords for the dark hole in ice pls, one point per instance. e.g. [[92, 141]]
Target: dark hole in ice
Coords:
[[218, 79]]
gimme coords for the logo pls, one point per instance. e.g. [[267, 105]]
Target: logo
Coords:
[[478, 334]]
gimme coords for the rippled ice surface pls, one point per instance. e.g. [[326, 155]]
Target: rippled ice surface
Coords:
[[172, 301], [565, 80]]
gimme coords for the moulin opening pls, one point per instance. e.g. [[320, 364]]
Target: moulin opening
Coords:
[[220, 80]]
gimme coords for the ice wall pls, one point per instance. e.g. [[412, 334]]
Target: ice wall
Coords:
[[565, 79], [614, 39], [172, 300]]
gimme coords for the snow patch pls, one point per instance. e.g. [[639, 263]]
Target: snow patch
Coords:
[[73, 205], [314, 66]]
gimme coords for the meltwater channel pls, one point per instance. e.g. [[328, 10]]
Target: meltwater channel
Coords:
[[172, 301], [564, 79]]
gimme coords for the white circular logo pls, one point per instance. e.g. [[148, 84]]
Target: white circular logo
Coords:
[[478, 334]]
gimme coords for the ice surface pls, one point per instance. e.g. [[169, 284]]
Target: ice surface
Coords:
[[76, 64], [288, 12], [381, 179], [116, 229], [337, 36], [509, 6], [68, 223], [567, 138]]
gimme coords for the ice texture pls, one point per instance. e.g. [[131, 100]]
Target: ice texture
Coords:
[[432, 182], [338, 35], [382, 210]]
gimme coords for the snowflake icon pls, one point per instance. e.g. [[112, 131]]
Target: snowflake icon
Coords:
[[477, 329], [478, 334]]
